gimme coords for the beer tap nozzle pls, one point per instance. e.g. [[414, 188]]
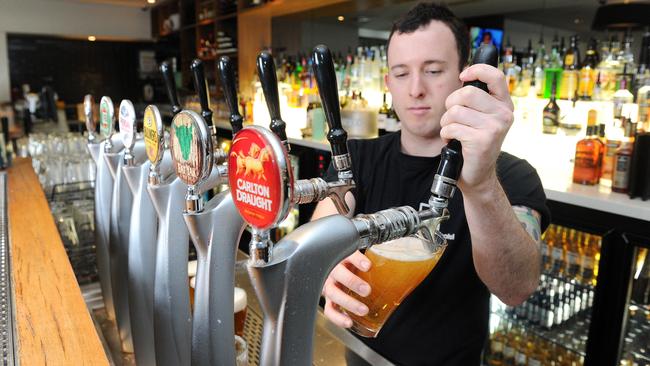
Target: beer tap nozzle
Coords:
[[269, 81], [170, 84], [260, 247], [228, 84], [451, 163]]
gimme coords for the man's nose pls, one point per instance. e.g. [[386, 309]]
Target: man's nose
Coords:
[[416, 86]]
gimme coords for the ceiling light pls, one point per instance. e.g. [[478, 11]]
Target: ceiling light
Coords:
[[92, 38], [341, 18], [151, 1], [576, 21]]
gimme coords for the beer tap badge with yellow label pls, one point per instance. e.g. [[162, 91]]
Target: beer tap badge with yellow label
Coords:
[[88, 111], [106, 117], [191, 147], [127, 123], [260, 177], [153, 134]]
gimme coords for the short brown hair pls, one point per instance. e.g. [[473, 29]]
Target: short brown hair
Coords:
[[426, 12]]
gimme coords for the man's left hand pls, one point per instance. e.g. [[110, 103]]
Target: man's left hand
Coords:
[[480, 121]]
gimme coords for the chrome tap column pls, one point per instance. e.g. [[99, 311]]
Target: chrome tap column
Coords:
[[141, 246], [172, 317], [103, 190]]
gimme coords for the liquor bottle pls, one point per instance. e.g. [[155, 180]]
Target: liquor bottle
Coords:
[[521, 352], [545, 247], [558, 253], [571, 63], [588, 72], [540, 64], [510, 346], [608, 69], [551, 113], [622, 95], [588, 156], [574, 256], [553, 70], [643, 100], [382, 115], [641, 285], [497, 341], [621, 173]]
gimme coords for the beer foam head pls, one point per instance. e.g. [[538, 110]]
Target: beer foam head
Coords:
[[191, 268], [240, 299], [408, 249], [193, 282]]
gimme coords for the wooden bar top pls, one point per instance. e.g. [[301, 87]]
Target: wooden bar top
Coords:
[[53, 324]]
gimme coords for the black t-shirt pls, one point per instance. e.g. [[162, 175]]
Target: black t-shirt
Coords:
[[444, 321]]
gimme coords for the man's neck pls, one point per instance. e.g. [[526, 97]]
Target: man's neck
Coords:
[[414, 145]]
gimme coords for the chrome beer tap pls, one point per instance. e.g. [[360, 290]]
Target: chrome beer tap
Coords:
[[171, 313], [120, 221], [103, 190], [314, 189], [215, 229], [141, 245], [451, 161]]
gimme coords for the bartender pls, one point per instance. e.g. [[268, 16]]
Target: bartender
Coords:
[[496, 219]]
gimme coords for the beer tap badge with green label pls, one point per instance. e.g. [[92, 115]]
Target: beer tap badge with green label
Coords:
[[106, 117], [191, 147], [153, 133], [127, 123], [260, 177]]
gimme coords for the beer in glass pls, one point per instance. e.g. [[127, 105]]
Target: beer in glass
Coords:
[[398, 267]]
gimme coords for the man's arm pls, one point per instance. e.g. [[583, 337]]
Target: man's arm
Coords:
[[505, 257], [504, 244]]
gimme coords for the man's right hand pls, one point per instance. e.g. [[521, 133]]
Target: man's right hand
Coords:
[[335, 290]]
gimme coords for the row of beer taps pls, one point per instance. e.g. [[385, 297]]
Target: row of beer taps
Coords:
[[149, 203]]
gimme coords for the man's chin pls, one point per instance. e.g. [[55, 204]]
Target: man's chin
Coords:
[[421, 129]]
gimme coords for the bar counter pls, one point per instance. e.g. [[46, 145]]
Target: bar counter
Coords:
[[51, 319]]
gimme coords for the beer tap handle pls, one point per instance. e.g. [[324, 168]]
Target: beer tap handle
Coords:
[[323, 66], [91, 125], [228, 84], [269, 80], [201, 87], [451, 163], [170, 84]]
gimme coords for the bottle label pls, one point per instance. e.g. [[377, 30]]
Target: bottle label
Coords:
[[497, 346], [508, 351], [381, 121], [621, 174], [550, 119], [557, 254]]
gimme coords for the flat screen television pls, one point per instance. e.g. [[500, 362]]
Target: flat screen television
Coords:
[[486, 35]]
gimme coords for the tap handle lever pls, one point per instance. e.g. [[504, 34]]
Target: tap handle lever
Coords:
[[201, 86], [451, 161], [269, 80], [170, 85], [228, 84], [323, 66]]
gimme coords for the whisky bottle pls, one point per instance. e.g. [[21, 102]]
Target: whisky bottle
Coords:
[[622, 96], [623, 160], [570, 73], [551, 113], [588, 156], [588, 72], [573, 255]]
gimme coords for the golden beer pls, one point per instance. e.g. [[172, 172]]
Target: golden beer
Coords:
[[398, 267], [240, 306]]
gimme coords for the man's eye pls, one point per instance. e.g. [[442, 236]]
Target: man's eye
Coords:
[[433, 71], [400, 75]]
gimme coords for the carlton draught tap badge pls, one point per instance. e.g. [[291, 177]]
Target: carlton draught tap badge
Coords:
[[256, 178], [185, 148], [151, 136]]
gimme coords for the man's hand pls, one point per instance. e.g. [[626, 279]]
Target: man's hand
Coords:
[[480, 121], [335, 290]]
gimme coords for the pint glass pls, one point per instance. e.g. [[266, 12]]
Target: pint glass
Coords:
[[398, 267]]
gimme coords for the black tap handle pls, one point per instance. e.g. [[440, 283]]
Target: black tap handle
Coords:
[[201, 87], [269, 80], [451, 161], [168, 77], [228, 84], [486, 54], [323, 66]]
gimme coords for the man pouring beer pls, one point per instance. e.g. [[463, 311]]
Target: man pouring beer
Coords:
[[496, 217]]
